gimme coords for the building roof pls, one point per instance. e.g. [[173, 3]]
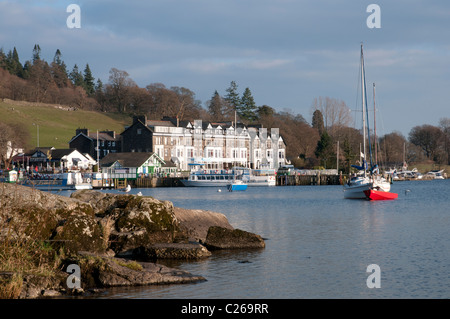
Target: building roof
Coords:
[[129, 159], [60, 153], [102, 136]]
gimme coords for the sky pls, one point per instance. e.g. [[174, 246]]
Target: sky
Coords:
[[287, 52]]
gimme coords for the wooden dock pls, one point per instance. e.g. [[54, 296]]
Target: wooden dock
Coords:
[[157, 182], [295, 180]]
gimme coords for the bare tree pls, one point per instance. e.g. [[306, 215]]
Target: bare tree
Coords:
[[12, 137], [335, 112], [119, 88], [430, 139]]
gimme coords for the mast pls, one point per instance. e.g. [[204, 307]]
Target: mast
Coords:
[[363, 97], [364, 110], [375, 125]]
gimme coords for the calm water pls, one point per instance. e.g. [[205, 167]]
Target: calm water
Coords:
[[318, 245]]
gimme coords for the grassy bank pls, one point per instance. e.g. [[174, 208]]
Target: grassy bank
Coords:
[[57, 123]]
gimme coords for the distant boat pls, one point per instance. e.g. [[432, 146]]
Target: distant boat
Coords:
[[237, 185], [64, 181], [436, 174]]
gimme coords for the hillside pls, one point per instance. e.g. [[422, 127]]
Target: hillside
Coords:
[[57, 123]]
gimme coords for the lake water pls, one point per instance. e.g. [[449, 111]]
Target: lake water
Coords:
[[318, 244]]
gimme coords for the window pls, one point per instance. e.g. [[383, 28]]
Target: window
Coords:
[[139, 131]]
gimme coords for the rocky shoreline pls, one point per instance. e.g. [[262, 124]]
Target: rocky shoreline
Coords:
[[113, 239]]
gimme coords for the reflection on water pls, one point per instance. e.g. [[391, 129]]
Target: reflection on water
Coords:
[[318, 245]]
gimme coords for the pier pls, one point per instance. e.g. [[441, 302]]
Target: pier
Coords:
[[295, 180]]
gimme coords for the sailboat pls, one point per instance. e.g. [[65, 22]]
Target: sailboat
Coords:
[[236, 184], [366, 179]]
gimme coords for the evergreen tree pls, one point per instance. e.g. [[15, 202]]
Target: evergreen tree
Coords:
[[232, 97], [57, 57], [36, 53], [99, 86], [89, 84], [59, 71], [216, 107], [26, 69], [2, 59], [76, 76], [324, 149], [317, 121], [247, 109]]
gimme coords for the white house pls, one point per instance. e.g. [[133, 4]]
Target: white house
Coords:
[[70, 159]]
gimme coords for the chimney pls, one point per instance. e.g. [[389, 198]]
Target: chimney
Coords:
[[85, 131], [141, 118]]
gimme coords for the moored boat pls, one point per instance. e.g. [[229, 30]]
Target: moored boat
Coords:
[[221, 178], [237, 185], [373, 194], [367, 179]]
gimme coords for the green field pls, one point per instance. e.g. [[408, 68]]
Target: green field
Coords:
[[56, 123]]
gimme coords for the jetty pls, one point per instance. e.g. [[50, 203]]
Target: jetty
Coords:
[[317, 179]]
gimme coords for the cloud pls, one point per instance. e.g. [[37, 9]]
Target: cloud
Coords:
[[287, 52]]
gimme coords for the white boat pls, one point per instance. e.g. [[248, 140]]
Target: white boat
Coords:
[[65, 181], [356, 186], [221, 178], [365, 180], [209, 178], [259, 177], [436, 174]]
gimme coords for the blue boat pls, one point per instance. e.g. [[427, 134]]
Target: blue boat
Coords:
[[237, 185]]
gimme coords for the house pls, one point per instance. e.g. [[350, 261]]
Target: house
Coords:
[[132, 165], [138, 137], [36, 159], [96, 144], [70, 159]]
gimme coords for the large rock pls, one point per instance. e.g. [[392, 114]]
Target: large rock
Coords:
[[224, 238], [195, 222], [184, 251], [131, 221]]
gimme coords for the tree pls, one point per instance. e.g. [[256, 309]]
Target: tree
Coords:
[[12, 63], [187, 106], [76, 76], [36, 53], [392, 147], [324, 150], [11, 137], [59, 71], [247, 108], [41, 80], [429, 138], [118, 88], [317, 121], [335, 112], [216, 107], [88, 80], [444, 124], [232, 97]]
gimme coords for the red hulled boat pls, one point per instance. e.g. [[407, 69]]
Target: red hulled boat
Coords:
[[379, 195]]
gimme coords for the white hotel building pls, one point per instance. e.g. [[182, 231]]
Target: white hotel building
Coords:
[[214, 145]]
